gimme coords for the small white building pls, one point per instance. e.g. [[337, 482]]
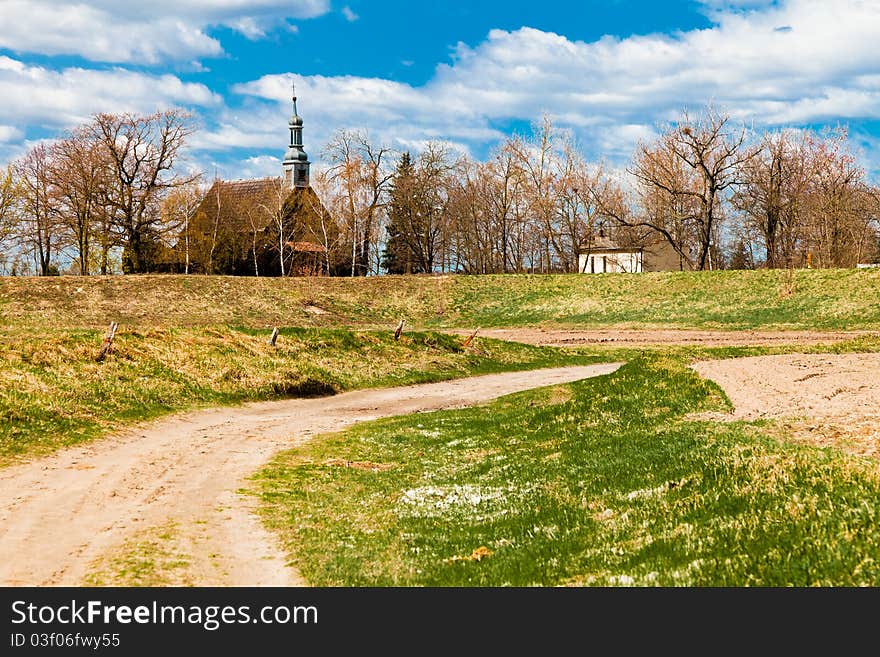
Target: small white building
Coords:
[[605, 257]]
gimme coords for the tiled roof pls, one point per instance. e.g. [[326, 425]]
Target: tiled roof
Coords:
[[307, 247]]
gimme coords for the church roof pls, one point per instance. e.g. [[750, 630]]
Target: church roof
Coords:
[[307, 247], [604, 244], [253, 201]]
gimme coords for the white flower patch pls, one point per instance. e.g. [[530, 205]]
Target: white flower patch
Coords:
[[477, 502], [646, 493]]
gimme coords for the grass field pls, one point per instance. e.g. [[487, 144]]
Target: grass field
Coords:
[[605, 482], [53, 393], [803, 299]]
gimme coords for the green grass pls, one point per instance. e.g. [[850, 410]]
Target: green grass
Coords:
[[822, 299], [605, 482], [767, 299], [53, 393]]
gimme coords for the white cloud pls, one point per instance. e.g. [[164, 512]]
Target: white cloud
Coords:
[[613, 92], [393, 113], [350, 16], [60, 99], [148, 32], [9, 133]]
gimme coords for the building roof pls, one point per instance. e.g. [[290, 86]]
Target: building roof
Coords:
[[253, 201], [307, 247], [603, 244]]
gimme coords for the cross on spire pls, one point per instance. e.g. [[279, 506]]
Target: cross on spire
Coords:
[[296, 162]]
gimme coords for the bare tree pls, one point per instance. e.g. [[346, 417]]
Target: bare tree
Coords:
[[80, 178], [504, 190], [276, 211], [687, 172], [359, 169], [39, 228], [840, 209], [142, 151], [329, 232], [8, 200], [774, 193], [535, 156], [178, 208]]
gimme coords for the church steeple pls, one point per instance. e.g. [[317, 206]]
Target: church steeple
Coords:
[[296, 162]]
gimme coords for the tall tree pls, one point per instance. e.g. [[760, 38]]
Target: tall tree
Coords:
[[39, 228], [688, 172], [178, 209], [142, 151], [417, 207], [397, 257], [536, 157], [359, 168], [8, 200], [327, 231], [840, 209], [774, 193], [80, 176]]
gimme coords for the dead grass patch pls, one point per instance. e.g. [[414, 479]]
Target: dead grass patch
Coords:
[[358, 465]]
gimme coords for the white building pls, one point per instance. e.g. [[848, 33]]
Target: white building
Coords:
[[605, 257]]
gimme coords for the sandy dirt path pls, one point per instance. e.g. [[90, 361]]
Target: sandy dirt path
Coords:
[[61, 514], [796, 385], [823, 399], [643, 337]]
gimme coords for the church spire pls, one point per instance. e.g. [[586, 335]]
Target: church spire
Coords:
[[296, 162]]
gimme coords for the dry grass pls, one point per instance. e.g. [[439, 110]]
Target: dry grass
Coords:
[[53, 392], [792, 299], [155, 558]]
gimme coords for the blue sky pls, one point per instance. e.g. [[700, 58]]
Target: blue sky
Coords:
[[466, 72]]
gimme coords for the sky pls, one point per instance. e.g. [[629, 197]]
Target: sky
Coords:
[[468, 72]]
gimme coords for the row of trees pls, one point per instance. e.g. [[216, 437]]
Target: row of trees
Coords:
[[715, 193], [95, 196], [718, 195]]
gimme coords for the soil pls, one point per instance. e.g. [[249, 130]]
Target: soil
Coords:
[[825, 399], [62, 515], [814, 385], [645, 337]]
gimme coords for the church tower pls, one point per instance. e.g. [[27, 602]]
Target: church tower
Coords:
[[296, 162]]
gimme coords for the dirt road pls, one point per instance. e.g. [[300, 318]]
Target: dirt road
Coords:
[[61, 514], [644, 337]]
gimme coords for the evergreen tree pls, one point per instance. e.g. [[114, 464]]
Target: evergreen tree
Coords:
[[397, 257]]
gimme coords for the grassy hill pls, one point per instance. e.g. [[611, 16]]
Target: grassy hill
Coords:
[[185, 341], [804, 299], [604, 482]]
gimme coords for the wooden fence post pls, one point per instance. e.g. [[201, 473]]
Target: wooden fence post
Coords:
[[274, 336], [399, 330], [107, 344]]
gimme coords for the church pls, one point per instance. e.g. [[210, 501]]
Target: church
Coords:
[[274, 226]]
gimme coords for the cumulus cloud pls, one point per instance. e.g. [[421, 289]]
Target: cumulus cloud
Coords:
[[9, 133], [148, 32], [392, 112], [59, 99], [613, 92], [767, 63]]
